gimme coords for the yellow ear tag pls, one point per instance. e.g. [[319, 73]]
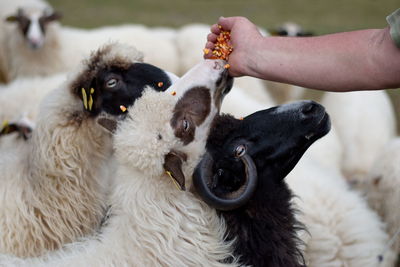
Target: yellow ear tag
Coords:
[[84, 98], [173, 180], [5, 123], [122, 108], [91, 99]]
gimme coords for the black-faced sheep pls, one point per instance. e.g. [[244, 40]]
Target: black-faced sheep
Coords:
[[53, 187], [151, 222], [243, 174]]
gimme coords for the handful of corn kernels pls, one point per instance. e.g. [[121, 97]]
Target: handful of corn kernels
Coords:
[[222, 48]]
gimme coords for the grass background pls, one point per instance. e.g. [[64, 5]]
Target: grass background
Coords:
[[320, 16]]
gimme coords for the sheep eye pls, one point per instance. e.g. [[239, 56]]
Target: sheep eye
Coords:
[[186, 125], [220, 172], [240, 151], [112, 83]]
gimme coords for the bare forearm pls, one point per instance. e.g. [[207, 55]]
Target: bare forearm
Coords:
[[359, 60]]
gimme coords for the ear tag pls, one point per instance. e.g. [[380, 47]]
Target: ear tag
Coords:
[[122, 108], [84, 98], [90, 103], [174, 180]]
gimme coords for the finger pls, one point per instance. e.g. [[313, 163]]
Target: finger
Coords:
[[227, 23], [211, 37], [215, 29], [208, 50]]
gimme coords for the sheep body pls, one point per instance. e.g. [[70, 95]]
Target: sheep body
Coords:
[[382, 190], [157, 45], [342, 230], [365, 122]]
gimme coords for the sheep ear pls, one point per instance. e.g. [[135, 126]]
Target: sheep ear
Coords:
[[173, 167], [108, 124], [11, 18]]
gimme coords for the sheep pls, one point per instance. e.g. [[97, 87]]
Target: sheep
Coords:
[[157, 46], [341, 229], [29, 39], [151, 222], [54, 186], [245, 166], [291, 29], [381, 190], [365, 122]]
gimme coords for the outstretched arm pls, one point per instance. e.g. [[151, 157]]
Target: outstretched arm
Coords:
[[358, 60]]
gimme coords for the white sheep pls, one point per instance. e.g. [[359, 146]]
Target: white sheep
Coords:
[[365, 122], [151, 222], [157, 46], [382, 189], [341, 229], [53, 187], [29, 39]]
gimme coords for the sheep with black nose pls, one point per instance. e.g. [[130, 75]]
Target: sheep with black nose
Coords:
[[151, 222], [242, 175], [29, 38], [54, 186]]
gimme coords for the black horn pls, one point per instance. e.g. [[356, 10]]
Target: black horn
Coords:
[[202, 178]]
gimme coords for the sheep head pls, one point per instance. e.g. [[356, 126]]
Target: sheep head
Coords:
[[167, 131], [32, 23], [114, 77], [245, 156]]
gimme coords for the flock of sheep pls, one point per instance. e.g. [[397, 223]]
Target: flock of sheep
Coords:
[[84, 184]]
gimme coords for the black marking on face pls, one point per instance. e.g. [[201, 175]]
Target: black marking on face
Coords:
[[116, 86]]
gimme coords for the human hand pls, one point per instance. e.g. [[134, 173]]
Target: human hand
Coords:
[[244, 36]]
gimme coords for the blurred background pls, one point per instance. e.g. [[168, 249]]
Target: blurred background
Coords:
[[317, 16]]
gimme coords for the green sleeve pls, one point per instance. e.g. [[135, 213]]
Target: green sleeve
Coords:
[[394, 22]]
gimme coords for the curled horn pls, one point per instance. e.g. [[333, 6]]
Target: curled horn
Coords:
[[202, 177]]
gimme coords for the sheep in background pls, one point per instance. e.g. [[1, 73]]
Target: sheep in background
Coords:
[[291, 29], [382, 189], [365, 122], [245, 166], [341, 229], [327, 151], [156, 44], [23, 95], [54, 187], [29, 39], [151, 222]]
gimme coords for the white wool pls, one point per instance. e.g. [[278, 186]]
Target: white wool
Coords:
[[382, 188], [23, 96], [342, 230], [364, 122], [327, 151], [247, 96], [158, 49], [283, 93]]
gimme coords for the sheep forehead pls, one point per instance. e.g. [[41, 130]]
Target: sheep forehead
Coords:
[[112, 54], [146, 131]]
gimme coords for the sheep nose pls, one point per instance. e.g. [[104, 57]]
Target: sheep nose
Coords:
[[310, 108]]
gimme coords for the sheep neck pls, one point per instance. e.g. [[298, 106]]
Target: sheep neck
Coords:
[[265, 228]]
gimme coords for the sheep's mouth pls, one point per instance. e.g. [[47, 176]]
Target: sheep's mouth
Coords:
[[224, 86], [321, 128]]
